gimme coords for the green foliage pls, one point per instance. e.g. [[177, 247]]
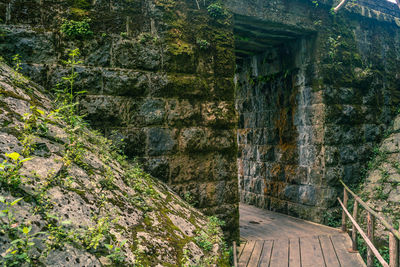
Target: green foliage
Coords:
[[34, 123], [17, 76], [138, 253], [17, 62], [57, 232], [3, 32], [76, 29], [217, 11], [114, 252], [379, 193], [207, 238], [94, 234], [20, 251], [362, 249], [10, 177], [333, 45], [332, 218], [20, 234], [108, 181], [190, 199], [71, 63], [83, 4], [10, 225], [203, 44]]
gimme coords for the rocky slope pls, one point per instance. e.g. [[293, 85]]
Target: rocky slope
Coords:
[[381, 188], [68, 199]]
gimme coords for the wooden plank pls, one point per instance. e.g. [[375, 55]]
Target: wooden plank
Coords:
[[311, 253], [280, 253], [265, 257], [240, 249], [255, 256], [328, 251], [247, 250], [341, 244], [294, 252]]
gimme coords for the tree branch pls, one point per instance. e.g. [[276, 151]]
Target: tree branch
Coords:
[[198, 6], [342, 4]]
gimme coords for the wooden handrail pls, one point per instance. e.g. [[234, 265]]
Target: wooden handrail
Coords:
[[364, 236], [365, 206], [369, 237]]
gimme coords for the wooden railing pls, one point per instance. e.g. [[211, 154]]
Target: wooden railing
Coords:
[[394, 235]]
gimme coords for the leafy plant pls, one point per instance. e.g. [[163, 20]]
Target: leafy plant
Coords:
[[17, 77], [207, 238], [216, 11], [17, 62], [19, 252], [9, 170], [76, 29], [10, 223], [93, 235], [203, 44], [71, 63], [115, 253], [22, 239], [34, 123]]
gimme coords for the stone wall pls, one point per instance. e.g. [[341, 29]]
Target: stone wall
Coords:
[[314, 103], [159, 74], [149, 82]]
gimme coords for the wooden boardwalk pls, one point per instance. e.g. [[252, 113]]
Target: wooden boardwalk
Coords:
[[273, 240]]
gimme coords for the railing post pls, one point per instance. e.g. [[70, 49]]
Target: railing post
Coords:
[[393, 251], [370, 234], [353, 229], [344, 218], [234, 254]]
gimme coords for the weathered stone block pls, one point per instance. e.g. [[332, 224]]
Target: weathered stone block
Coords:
[[125, 82], [159, 168], [204, 139], [153, 111], [278, 205], [219, 114], [108, 110], [184, 86], [161, 141], [133, 140], [304, 194], [32, 47], [88, 79], [182, 112], [348, 154], [126, 55]]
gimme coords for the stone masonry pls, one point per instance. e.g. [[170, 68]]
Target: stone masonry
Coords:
[[314, 91], [148, 82]]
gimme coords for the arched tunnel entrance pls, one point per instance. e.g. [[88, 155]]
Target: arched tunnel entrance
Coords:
[[279, 115]]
